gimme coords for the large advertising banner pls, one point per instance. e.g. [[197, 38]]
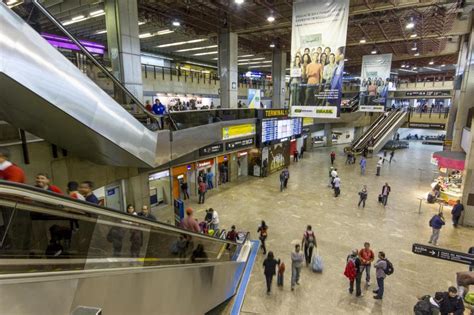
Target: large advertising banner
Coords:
[[375, 80], [253, 98], [318, 41]]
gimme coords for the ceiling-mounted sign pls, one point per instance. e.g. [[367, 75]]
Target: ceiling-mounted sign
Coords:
[[314, 111], [444, 254], [237, 144], [205, 163], [428, 93], [272, 113], [427, 126], [159, 175], [211, 149], [372, 108]]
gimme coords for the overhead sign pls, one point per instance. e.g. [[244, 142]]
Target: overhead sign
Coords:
[[238, 131], [372, 108], [202, 164], [318, 40], [427, 126], [428, 93], [211, 149], [159, 175], [237, 144], [272, 113], [444, 254], [314, 111]]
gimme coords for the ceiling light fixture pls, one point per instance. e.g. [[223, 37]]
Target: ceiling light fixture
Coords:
[[414, 47], [271, 18], [243, 56], [162, 32], [97, 13], [413, 35], [176, 23], [410, 24], [141, 23], [431, 62], [206, 53], [146, 35], [443, 65], [374, 51], [239, 1], [196, 48], [272, 45], [182, 43], [101, 32], [346, 59], [262, 66], [416, 54], [363, 41], [79, 17]]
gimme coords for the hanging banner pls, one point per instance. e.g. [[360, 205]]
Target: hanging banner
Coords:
[[375, 79], [253, 98], [318, 41]]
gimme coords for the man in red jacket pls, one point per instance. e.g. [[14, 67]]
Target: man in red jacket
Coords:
[[8, 170], [43, 181], [366, 258]]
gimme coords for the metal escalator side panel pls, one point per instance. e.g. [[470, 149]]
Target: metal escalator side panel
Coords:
[[54, 83], [359, 144], [390, 130]]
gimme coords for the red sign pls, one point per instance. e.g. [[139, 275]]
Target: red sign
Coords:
[[205, 163]]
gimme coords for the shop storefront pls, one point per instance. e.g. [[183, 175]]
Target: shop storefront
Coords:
[[160, 188], [223, 166], [183, 174], [205, 171], [448, 184]]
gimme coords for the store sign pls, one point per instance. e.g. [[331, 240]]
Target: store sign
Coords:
[[204, 163], [372, 108], [211, 149], [159, 175], [314, 111], [272, 113], [444, 254], [238, 131], [242, 154], [307, 121], [428, 93], [426, 126], [237, 144]]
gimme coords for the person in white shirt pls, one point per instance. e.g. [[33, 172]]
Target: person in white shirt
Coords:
[[379, 165], [333, 176], [215, 220], [337, 186]]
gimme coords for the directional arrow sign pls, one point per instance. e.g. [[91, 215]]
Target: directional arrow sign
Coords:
[[445, 254]]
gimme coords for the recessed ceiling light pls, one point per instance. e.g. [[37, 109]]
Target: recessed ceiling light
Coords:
[[239, 1], [243, 56], [271, 18], [413, 35], [182, 43], [141, 23], [415, 68], [146, 35], [374, 51], [97, 13], [410, 25], [272, 45], [101, 32], [346, 59], [79, 17], [176, 23], [403, 65], [417, 54], [363, 41], [431, 62], [196, 48], [206, 53], [443, 65]]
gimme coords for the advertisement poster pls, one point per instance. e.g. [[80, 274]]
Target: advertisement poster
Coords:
[[372, 108], [253, 98], [314, 111], [318, 41], [279, 156], [375, 79], [238, 131]]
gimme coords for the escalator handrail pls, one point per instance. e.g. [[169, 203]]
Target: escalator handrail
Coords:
[[376, 130], [392, 119], [17, 188], [92, 58], [387, 127], [368, 132]]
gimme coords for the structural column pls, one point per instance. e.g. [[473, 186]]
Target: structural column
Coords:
[[328, 134], [121, 17], [278, 78], [228, 71]]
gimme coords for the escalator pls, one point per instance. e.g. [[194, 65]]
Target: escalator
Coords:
[[43, 93], [63, 256], [379, 132]]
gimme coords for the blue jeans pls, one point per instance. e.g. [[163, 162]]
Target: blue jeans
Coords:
[[362, 170], [209, 184], [295, 275], [384, 199], [366, 268], [381, 288]]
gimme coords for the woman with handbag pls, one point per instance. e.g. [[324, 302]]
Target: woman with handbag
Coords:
[[262, 229]]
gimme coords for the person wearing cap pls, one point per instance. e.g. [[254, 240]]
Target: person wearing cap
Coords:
[[8, 170], [189, 223]]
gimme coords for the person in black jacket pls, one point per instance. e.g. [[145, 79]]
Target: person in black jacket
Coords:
[[269, 265], [452, 303]]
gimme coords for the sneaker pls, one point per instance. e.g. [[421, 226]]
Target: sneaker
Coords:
[[375, 291], [350, 291], [360, 295], [377, 298]]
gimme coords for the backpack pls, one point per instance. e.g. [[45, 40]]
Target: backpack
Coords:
[[469, 298], [350, 271], [389, 269], [310, 239], [423, 306]]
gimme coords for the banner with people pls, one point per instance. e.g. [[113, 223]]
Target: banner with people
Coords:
[[375, 81], [318, 41], [253, 98]]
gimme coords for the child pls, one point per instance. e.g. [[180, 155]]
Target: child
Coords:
[[281, 271]]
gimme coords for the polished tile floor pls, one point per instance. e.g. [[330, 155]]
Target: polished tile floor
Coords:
[[340, 226]]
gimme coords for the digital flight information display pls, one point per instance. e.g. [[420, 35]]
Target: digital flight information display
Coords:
[[274, 129]]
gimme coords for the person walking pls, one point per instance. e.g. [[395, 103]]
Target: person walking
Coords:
[[353, 272], [269, 265], [385, 192], [362, 196], [363, 165], [366, 258], [337, 186], [263, 230], [391, 156], [333, 157], [295, 155], [436, 223], [287, 177], [308, 243], [333, 176], [380, 267], [282, 180], [281, 273], [379, 165], [202, 191], [297, 259], [184, 189], [384, 156], [456, 212], [214, 224]]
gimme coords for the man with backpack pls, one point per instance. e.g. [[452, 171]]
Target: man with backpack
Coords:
[[353, 272], [451, 303], [436, 223], [428, 305], [383, 267], [367, 257], [308, 243]]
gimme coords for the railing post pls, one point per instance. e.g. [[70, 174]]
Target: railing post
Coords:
[[171, 74], [146, 74], [154, 72], [163, 73]]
